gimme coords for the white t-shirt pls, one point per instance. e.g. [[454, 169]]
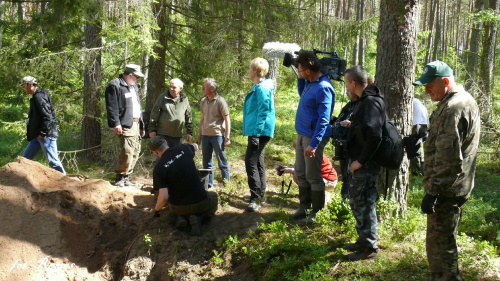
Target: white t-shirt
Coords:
[[420, 115], [135, 103]]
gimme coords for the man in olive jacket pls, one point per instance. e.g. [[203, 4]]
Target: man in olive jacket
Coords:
[[170, 113], [449, 165], [41, 124], [125, 117]]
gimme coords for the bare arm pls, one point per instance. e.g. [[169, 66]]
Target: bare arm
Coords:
[[227, 120]]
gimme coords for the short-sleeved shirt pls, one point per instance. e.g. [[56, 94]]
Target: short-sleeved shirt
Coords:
[[176, 171], [420, 115], [213, 112]]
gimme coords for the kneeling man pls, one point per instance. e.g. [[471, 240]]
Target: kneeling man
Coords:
[[176, 177]]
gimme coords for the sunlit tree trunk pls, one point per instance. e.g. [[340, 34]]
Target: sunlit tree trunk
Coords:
[[396, 61], [156, 70], [487, 65], [91, 126], [473, 52]]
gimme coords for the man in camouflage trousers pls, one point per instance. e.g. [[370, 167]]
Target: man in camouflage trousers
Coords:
[[449, 165], [363, 138]]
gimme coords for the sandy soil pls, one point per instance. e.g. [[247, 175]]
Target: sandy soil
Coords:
[[56, 227]]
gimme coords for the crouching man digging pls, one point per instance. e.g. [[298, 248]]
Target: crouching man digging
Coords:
[[176, 177]]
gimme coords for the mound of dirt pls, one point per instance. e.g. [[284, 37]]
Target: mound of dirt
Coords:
[[54, 227]]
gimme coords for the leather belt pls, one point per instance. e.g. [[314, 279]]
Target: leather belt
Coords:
[[136, 119]]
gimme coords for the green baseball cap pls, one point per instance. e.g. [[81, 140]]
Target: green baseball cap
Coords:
[[432, 70]]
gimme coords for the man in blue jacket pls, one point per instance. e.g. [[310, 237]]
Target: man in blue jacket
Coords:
[[313, 131], [41, 124]]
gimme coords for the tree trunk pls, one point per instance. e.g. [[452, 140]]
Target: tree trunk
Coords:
[[437, 35], [473, 53], [396, 61], [2, 18], [430, 41], [156, 70], [91, 126], [361, 37], [487, 65]]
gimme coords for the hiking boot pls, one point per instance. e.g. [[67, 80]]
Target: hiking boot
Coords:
[[305, 203], [253, 206], [353, 246], [181, 223], [309, 219], [299, 214], [366, 254], [120, 181], [195, 225], [318, 202]]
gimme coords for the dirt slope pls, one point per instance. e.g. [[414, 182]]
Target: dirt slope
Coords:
[[55, 227]]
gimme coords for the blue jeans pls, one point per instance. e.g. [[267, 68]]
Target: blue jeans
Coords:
[[49, 147], [215, 144]]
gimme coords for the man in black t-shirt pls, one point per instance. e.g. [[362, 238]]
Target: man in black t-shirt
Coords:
[[176, 177]]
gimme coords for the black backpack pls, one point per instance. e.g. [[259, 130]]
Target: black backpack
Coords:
[[390, 152]]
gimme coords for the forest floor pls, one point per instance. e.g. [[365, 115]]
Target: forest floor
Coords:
[[56, 227]]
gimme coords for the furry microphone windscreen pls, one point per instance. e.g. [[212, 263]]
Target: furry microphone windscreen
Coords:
[[278, 49]]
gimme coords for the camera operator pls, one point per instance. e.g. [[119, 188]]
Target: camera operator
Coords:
[[340, 126], [313, 128], [364, 136]]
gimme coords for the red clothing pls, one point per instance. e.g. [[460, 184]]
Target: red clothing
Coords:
[[327, 169]]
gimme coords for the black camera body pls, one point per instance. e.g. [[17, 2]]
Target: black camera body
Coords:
[[340, 149], [333, 65], [339, 138]]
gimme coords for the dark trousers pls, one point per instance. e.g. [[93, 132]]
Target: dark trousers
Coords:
[[256, 171], [363, 196], [441, 241]]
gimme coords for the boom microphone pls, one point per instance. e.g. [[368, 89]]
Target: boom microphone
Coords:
[[278, 49]]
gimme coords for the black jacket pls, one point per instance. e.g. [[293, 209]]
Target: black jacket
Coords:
[[365, 132], [41, 117], [119, 103]]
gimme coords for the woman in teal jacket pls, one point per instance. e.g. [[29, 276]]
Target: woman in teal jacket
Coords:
[[258, 125]]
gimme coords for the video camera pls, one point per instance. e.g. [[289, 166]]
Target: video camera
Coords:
[[333, 65]]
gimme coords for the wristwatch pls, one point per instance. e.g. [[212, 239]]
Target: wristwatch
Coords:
[[227, 139]]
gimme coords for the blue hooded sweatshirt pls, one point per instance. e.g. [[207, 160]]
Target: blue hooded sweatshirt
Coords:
[[316, 104]]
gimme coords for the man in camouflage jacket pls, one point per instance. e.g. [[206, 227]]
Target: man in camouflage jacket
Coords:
[[449, 166]]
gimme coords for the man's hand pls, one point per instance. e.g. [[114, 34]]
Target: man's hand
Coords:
[[227, 142], [142, 132], [310, 151], [429, 204], [345, 123], [152, 134], [188, 137], [198, 140], [254, 141], [355, 166], [118, 129]]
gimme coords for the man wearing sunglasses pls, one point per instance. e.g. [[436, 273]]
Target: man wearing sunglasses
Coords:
[[125, 117]]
